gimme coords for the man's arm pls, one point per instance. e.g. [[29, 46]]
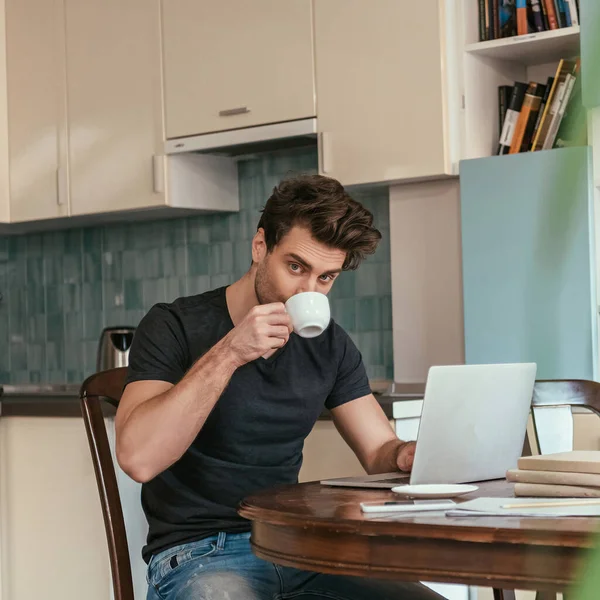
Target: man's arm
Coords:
[[365, 428], [157, 421]]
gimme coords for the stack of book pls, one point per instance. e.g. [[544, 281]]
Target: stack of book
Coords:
[[505, 18], [566, 474], [535, 116]]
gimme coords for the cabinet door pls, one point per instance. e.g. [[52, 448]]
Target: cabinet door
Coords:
[[528, 262], [326, 455], [235, 63], [379, 89], [36, 108], [114, 100]]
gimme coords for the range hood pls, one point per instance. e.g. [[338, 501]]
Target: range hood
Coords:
[[235, 142]]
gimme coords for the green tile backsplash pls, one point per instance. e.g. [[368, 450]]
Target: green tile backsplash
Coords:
[[60, 289]]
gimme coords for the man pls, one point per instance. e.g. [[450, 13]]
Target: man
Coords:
[[221, 395]]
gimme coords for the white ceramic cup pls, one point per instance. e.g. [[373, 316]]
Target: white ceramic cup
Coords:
[[309, 312]]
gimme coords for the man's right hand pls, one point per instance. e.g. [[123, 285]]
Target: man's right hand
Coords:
[[264, 330]]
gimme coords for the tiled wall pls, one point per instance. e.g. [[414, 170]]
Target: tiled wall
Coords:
[[60, 289]]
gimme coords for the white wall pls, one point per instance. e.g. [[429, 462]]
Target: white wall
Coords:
[[427, 307]]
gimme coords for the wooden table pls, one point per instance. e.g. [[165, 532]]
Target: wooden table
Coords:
[[322, 529]]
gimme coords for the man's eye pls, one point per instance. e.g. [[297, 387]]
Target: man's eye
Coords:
[[294, 267], [327, 277]]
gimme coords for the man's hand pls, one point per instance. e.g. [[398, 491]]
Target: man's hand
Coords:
[[264, 330], [406, 456]]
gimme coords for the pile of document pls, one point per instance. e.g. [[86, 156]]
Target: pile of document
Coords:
[[527, 507], [564, 475]]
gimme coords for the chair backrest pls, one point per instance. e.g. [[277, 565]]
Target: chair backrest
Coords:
[[554, 429], [107, 386]]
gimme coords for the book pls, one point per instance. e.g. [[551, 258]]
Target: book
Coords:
[[504, 94], [527, 117], [555, 491], [573, 12], [491, 19], [543, 103], [512, 116], [522, 23], [573, 126], [508, 19], [568, 22], [536, 13], [564, 94], [560, 13], [553, 103], [530, 128], [554, 478], [576, 461], [483, 33], [551, 13], [536, 104], [495, 19], [544, 15]]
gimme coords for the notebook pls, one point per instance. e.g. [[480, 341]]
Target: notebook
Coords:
[[576, 461], [545, 490], [554, 478]]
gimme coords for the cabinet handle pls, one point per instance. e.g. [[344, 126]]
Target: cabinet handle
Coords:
[[230, 112], [158, 174], [324, 151], [60, 187]]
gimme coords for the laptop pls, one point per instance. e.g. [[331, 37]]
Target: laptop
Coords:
[[472, 426]]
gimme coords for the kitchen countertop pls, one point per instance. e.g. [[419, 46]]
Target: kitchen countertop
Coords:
[[63, 399], [40, 389]]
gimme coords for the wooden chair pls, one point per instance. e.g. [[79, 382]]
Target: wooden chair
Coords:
[[553, 429], [107, 386]]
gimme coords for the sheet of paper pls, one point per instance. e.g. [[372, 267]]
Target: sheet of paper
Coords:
[[494, 507]]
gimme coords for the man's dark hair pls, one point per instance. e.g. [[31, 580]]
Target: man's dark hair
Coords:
[[322, 205]]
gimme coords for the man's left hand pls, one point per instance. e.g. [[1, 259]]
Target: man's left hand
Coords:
[[406, 456]]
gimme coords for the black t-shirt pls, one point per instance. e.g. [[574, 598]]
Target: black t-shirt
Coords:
[[254, 436]]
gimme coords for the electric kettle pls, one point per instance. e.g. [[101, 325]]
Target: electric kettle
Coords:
[[113, 348]]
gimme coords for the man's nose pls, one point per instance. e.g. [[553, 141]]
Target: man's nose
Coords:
[[310, 285]]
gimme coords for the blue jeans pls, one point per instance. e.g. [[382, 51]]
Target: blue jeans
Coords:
[[223, 567]]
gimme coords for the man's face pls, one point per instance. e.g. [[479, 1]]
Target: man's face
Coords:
[[298, 263]]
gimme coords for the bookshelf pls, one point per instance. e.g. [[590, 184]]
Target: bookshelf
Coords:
[[531, 49], [490, 64]]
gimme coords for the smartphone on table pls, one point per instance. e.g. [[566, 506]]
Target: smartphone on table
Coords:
[[387, 506]]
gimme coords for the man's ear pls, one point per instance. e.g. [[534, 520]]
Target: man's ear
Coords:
[[259, 246]]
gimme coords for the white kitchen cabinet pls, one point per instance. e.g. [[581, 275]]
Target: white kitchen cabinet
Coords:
[[116, 120], [326, 455], [233, 64], [388, 94], [114, 99], [53, 541], [81, 119], [32, 111]]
